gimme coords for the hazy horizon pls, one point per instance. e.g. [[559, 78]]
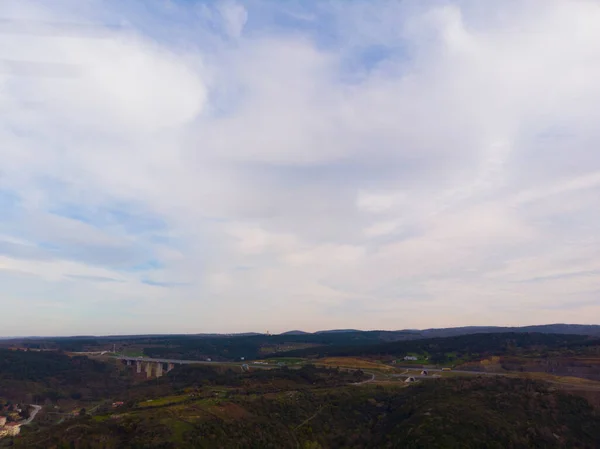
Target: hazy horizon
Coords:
[[195, 166], [9, 337]]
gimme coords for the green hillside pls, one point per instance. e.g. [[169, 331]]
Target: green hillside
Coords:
[[451, 413], [462, 347]]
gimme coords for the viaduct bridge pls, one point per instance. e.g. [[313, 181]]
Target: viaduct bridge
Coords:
[[155, 367]]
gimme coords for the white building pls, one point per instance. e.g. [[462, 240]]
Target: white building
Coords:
[[410, 357], [12, 429]]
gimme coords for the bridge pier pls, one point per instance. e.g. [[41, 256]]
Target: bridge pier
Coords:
[[153, 367]]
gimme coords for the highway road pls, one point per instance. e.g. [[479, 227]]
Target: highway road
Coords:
[[240, 363], [174, 361], [439, 370], [193, 362]]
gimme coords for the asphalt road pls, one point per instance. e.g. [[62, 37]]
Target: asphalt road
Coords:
[[411, 368], [194, 362], [174, 361], [36, 409], [438, 370]]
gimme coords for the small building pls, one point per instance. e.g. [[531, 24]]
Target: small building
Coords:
[[13, 429], [2, 420], [117, 404], [410, 379], [410, 357]]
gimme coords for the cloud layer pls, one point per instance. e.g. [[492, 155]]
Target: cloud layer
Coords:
[[235, 166]]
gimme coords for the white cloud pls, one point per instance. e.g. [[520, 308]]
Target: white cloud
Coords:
[[352, 172], [252, 239], [381, 228], [327, 256], [377, 202], [587, 182], [235, 16]]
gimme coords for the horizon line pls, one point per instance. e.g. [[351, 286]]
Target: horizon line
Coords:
[[249, 333]]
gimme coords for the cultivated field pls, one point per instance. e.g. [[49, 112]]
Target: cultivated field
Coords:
[[353, 363]]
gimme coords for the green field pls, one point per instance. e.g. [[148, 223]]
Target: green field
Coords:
[[286, 360], [132, 352], [161, 401]]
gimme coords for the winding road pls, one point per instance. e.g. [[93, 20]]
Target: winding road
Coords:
[[365, 381], [36, 409]]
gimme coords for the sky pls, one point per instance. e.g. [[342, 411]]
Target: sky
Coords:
[[230, 166]]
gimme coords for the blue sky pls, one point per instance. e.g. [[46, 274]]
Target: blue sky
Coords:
[[188, 166]]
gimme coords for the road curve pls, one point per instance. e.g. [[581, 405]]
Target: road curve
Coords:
[[372, 379], [36, 409]]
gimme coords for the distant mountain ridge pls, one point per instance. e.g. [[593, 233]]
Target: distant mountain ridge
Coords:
[[340, 331], [558, 328], [384, 335], [229, 347]]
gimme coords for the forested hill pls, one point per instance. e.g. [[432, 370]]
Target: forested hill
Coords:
[[199, 347], [463, 345], [573, 329], [235, 347], [41, 375], [454, 413]]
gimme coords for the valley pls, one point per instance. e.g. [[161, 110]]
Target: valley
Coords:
[[347, 391]]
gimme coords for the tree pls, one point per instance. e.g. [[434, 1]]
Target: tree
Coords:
[[438, 358]]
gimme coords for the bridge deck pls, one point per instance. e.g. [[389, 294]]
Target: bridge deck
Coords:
[[151, 360]]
